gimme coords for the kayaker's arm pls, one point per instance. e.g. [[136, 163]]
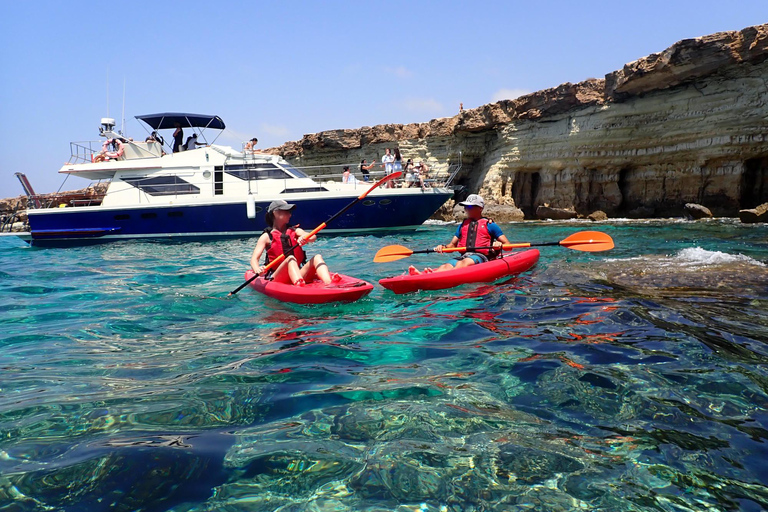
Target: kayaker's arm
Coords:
[[303, 236], [261, 245], [451, 245], [500, 241]]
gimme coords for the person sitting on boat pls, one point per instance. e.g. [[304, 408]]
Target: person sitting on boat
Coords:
[[348, 177], [280, 236], [105, 155], [192, 143], [423, 173], [250, 146], [474, 231], [155, 137], [410, 173]]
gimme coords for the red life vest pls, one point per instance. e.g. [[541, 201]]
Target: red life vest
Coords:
[[474, 233], [281, 242]]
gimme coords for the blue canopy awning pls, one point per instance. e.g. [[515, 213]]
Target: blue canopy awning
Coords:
[[169, 120]]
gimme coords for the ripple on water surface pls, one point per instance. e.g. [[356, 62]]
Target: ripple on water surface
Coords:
[[633, 380]]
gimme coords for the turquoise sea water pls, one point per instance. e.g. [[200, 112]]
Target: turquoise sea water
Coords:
[[630, 380]]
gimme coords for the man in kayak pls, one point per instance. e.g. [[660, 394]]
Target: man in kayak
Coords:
[[277, 238], [474, 231]]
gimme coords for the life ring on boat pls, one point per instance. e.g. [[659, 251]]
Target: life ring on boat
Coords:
[[113, 154]]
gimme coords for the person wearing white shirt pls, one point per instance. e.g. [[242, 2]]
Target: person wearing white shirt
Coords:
[[388, 159], [192, 143]]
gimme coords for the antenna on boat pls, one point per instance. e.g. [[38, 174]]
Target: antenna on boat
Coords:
[[107, 91], [122, 125]]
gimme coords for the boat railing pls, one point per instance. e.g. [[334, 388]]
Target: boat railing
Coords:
[[9, 222], [84, 151], [438, 175]]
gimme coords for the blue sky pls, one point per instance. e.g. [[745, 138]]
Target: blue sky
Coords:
[[279, 70]]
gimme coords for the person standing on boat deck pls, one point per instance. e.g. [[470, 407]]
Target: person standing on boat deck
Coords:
[[397, 166], [365, 169], [474, 231], [178, 138], [278, 237], [388, 160]]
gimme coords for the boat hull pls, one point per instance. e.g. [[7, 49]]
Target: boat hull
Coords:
[[97, 224], [481, 273], [347, 289]]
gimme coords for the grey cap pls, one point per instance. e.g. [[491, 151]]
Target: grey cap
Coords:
[[280, 205], [473, 200]]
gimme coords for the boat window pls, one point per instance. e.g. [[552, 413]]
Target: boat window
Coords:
[[122, 216], [163, 185], [218, 180], [304, 189], [257, 172], [291, 169], [148, 215]]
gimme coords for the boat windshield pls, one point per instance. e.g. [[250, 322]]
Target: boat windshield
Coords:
[[292, 170]]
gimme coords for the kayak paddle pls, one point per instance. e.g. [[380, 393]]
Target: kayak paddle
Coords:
[[319, 228], [588, 241]]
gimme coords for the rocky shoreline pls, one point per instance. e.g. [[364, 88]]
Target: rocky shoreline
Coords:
[[683, 132], [686, 125]]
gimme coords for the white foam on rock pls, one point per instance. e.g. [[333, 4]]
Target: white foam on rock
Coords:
[[699, 257], [693, 257]]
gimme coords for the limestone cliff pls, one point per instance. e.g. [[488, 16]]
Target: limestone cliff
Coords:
[[689, 124]]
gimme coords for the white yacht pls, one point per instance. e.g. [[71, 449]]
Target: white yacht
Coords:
[[212, 191]]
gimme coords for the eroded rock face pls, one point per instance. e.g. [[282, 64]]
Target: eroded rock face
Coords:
[[686, 125]]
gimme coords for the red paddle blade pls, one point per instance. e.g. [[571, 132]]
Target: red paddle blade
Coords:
[[588, 241], [392, 253]]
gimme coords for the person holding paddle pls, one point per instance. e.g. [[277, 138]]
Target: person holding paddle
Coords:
[[475, 232], [279, 237]]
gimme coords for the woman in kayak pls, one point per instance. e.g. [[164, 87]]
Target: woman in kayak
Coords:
[[277, 238], [475, 231]]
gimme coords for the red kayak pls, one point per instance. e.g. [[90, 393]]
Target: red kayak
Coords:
[[479, 273], [347, 289]]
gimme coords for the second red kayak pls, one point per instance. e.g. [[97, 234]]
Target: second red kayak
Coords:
[[346, 289], [480, 273]]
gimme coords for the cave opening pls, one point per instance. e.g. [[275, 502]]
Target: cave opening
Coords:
[[525, 192], [754, 183], [624, 184]]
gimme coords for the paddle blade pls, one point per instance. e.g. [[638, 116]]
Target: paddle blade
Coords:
[[392, 253], [588, 241]]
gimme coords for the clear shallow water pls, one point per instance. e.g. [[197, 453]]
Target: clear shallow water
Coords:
[[629, 380]]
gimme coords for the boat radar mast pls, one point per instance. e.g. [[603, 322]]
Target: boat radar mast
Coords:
[[107, 128]]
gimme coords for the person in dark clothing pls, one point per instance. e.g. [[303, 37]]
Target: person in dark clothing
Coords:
[[365, 169], [178, 138]]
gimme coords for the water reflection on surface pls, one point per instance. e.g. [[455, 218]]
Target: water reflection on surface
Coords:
[[585, 384]]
